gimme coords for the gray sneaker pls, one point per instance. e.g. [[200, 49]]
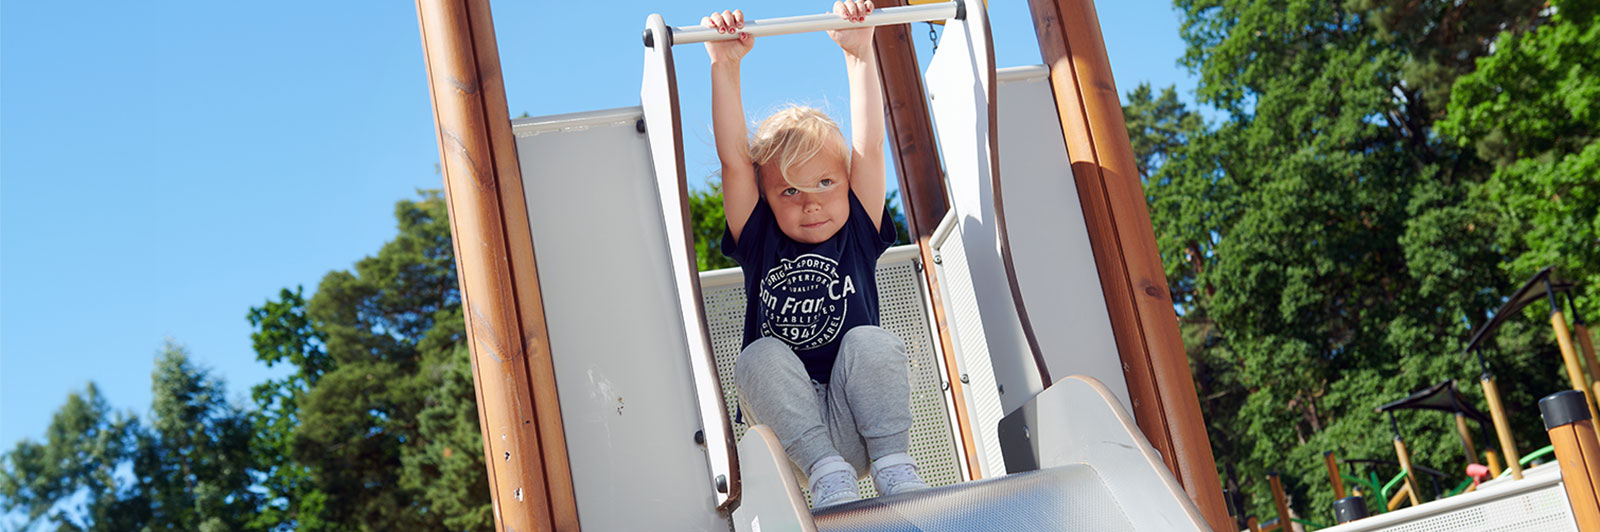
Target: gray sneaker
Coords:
[[833, 481], [896, 474]]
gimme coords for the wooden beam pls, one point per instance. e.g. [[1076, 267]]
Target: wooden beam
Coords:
[[519, 417], [1123, 240], [922, 192]]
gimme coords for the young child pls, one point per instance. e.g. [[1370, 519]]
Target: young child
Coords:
[[807, 222]]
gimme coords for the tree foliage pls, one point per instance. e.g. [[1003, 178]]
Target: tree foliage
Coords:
[[376, 428], [1328, 249], [189, 469], [1533, 110]]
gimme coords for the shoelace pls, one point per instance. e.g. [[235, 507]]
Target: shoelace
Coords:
[[831, 485], [895, 477]]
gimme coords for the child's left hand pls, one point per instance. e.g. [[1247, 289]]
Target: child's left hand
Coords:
[[856, 42]]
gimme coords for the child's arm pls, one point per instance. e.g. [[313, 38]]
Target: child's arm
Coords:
[[866, 109], [739, 188]]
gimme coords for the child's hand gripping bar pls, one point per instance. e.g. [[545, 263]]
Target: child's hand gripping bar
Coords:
[[826, 21]]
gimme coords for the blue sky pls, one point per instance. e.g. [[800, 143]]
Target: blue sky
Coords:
[[164, 166]]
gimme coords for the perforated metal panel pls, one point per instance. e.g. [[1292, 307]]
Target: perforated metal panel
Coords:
[[1537, 503], [901, 310]]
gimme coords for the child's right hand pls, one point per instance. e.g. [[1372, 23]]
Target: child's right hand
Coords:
[[728, 22]]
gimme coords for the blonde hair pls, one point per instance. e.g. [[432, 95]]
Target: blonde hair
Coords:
[[794, 135]]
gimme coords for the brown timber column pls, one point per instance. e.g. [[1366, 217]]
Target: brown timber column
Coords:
[[1333, 474], [1131, 276], [1280, 501], [1571, 431], [518, 415], [1466, 438], [922, 193], [1569, 354]]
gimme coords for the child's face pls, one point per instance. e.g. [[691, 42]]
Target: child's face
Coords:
[[810, 217]]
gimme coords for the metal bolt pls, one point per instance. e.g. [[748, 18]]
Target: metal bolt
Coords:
[[964, 378], [700, 437], [722, 483], [1001, 388], [639, 125], [938, 259]]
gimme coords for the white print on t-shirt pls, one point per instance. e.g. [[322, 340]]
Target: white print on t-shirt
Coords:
[[803, 301]]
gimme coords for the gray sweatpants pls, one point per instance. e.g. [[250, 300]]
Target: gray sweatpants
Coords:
[[862, 414]]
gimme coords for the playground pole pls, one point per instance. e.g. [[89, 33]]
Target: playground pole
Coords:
[[1585, 341], [1394, 502], [1333, 474], [1280, 501], [1569, 355], [1571, 431], [1138, 302], [1405, 460], [530, 481], [1502, 426], [1466, 438]]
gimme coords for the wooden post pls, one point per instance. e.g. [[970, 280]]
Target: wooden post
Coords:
[[1571, 431], [1569, 355], [1253, 523], [1502, 427], [1404, 458], [1586, 341], [1281, 501], [1405, 464], [1493, 458], [519, 418], [1138, 301], [1466, 438], [1394, 501], [922, 192], [1333, 474]]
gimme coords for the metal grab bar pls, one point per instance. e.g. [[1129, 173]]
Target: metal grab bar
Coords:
[[825, 21]]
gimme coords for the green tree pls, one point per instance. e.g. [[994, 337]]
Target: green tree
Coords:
[[84, 446], [1328, 251], [1533, 110], [191, 469], [284, 335], [379, 418], [708, 221], [194, 462]]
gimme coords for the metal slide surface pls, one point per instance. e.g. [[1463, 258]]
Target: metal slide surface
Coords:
[[1067, 498]]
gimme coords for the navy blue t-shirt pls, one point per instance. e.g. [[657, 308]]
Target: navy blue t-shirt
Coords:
[[809, 295]]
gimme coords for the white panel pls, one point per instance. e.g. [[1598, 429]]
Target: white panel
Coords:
[[972, 349], [1538, 502], [958, 86], [622, 371], [1049, 240], [658, 96]]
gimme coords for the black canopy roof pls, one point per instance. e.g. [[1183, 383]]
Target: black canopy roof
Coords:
[[1531, 291], [1442, 397]]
